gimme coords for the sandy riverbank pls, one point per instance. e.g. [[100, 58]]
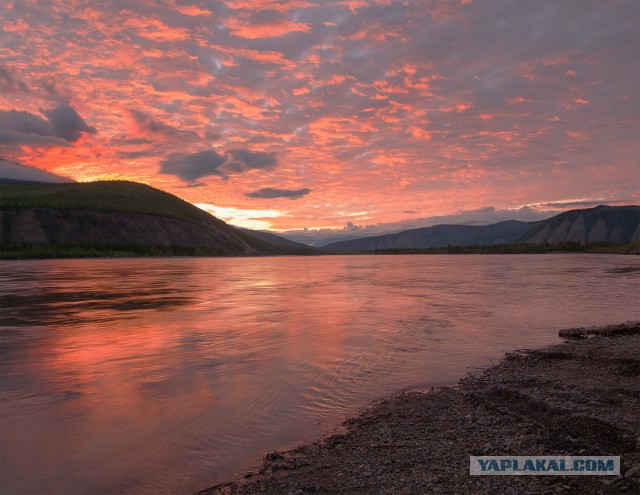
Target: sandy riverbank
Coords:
[[577, 398]]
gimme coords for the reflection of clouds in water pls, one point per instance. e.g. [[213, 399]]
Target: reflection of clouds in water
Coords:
[[44, 293], [151, 372], [624, 269], [71, 308]]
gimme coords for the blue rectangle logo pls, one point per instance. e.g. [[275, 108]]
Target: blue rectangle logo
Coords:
[[544, 465]]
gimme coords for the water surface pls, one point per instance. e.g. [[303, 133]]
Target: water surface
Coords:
[[167, 375]]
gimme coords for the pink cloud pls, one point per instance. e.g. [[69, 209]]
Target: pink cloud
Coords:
[[435, 106]]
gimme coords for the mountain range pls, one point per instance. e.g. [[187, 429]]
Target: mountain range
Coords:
[[610, 224], [126, 218]]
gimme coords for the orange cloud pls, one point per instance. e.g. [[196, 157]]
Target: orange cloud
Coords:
[[15, 26], [419, 133], [278, 5], [266, 57], [456, 107], [519, 99], [156, 30], [353, 103], [248, 30], [191, 10]]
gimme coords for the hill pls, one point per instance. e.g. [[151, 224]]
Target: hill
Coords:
[[113, 217], [615, 225], [278, 240], [437, 236], [603, 224]]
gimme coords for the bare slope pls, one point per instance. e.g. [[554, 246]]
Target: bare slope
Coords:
[[617, 225]]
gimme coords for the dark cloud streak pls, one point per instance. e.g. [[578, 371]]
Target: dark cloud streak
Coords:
[[62, 126], [241, 160], [67, 123], [147, 124], [193, 166], [271, 192]]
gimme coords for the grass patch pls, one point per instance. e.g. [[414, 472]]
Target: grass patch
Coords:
[[104, 196]]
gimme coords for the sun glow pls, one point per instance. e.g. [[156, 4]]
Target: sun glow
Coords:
[[250, 219]]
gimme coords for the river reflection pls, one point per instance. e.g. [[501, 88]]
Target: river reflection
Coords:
[[166, 375]]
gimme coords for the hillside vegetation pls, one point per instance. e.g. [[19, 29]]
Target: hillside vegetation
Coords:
[[109, 218], [104, 196]]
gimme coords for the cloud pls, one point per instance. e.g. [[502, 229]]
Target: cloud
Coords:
[[583, 203], [18, 172], [271, 192], [5, 77], [192, 166], [351, 227], [145, 124], [241, 160], [8, 84], [387, 106], [241, 217], [63, 125], [264, 24], [67, 124], [21, 122]]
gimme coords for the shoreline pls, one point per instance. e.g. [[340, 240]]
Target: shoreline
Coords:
[[73, 255], [580, 397]]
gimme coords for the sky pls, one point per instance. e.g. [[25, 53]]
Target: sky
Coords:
[[319, 117]]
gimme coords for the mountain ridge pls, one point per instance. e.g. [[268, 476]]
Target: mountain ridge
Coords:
[[611, 224]]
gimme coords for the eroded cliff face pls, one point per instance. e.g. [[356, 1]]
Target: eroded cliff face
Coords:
[[616, 225], [53, 226]]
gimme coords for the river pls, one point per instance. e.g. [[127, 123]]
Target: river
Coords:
[[166, 375]]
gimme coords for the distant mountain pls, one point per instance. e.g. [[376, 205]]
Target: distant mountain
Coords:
[[336, 238], [619, 225], [437, 236], [113, 214], [278, 240], [616, 225]]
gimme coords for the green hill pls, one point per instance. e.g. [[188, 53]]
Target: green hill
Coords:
[[105, 196], [113, 218]]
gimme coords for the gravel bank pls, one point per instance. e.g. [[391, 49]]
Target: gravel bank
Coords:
[[577, 398]]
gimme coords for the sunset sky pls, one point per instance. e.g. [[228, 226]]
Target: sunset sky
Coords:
[[354, 115]]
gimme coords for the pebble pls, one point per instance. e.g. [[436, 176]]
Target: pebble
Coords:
[[633, 471]]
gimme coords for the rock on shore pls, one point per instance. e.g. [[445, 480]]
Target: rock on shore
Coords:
[[577, 398]]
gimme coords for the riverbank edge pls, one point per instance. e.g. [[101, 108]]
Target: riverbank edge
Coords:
[[573, 398]]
